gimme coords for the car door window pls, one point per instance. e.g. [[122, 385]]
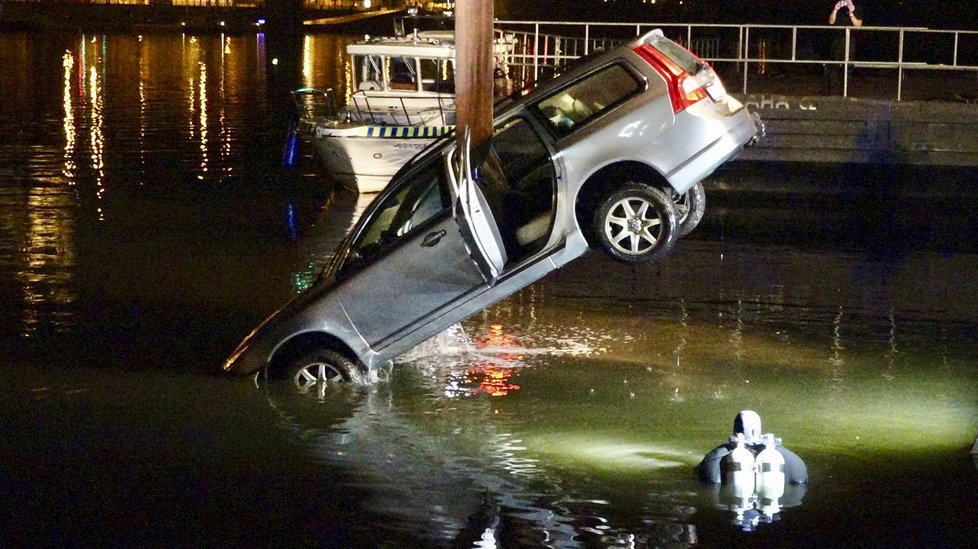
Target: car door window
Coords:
[[410, 206], [588, 98]]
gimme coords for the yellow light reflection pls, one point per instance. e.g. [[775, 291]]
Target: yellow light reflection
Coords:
[[307, 61], [68, 62], [96, 136], [203, 119], [191, 106], [348, 83], [191, 53], [225, 138], [47, 254]]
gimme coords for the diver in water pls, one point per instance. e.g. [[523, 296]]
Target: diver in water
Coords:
[[748, 425]]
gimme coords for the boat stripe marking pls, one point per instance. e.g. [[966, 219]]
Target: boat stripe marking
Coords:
[[402, 132]]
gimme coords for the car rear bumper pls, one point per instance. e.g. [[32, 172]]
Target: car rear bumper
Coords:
[[730, 134]]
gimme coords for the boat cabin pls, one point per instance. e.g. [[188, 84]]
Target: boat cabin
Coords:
[[401, 76]]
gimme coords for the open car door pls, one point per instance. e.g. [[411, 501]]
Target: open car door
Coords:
[[474, 216]]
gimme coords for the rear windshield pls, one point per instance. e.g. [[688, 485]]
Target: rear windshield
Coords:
[[678, 54]]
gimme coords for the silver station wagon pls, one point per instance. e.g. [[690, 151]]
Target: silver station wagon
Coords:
[[608, 155]]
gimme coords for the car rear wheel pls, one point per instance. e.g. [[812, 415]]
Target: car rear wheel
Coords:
[[636, 224], [690, 207], [316, 369]]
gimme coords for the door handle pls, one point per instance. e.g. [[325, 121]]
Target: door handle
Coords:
[[432, 238]]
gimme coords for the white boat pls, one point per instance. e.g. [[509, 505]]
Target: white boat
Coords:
[[403, 98]]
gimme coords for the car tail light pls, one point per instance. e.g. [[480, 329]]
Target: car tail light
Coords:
[[684, 89]]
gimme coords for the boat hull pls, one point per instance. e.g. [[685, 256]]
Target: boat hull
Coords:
[[365, 158]]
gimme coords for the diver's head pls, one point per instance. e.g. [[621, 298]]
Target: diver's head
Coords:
[[748, 423]]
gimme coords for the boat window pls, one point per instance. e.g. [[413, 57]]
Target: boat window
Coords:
[[437, 75], [371, 71], [403, 73], [417, 201], [588, 98]]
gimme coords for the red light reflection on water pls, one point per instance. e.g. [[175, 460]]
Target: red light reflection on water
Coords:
[[492, 380], [488, 377]]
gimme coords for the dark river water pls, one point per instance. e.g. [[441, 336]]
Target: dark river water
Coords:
[[143, 233]]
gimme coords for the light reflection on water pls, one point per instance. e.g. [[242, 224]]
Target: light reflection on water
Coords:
[[143, 222]]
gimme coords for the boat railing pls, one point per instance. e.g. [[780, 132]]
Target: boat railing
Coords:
[[313, 103], [877, 62], [403, 111]]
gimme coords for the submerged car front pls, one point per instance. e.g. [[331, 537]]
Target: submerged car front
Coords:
[[302, 323], [404, 273]]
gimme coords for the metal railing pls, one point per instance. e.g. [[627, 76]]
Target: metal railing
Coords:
[[321, 104], [776, 58]]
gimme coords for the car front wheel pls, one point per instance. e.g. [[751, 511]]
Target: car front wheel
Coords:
[[636, 224], [319, 368], [690, 207]]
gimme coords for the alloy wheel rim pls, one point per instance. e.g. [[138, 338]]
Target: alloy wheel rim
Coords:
[[317, 374], [633, 226]]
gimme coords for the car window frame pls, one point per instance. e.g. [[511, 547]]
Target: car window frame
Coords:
[[550, 155], [348, 265], [640, 79]]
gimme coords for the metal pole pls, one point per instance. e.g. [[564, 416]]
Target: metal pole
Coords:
[[900, 68], [744, 54], [794, 43], [845, 68], [536, 52], [956, 48]]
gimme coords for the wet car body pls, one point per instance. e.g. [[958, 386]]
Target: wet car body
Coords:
[[589, 159]]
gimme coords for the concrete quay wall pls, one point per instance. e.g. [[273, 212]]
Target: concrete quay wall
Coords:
[[870, 131]]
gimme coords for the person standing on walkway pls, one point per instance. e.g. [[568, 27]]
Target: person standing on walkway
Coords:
[[844, 14]]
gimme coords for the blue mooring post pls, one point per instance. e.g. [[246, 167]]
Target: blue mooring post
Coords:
[[292, 221], [291, 153]]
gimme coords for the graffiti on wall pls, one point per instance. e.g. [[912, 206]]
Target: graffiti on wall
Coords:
[[761, 102]]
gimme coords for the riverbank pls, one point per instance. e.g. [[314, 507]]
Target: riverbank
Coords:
[[124, 18], [148, 18]]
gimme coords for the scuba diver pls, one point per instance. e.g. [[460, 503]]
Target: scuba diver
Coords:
[[753, 475], [747, 424]]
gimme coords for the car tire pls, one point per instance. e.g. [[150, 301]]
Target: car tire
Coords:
[[690, 207], [318, 368], [636, 224]]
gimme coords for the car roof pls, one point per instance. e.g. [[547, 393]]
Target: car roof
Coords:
[[575, 69]]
